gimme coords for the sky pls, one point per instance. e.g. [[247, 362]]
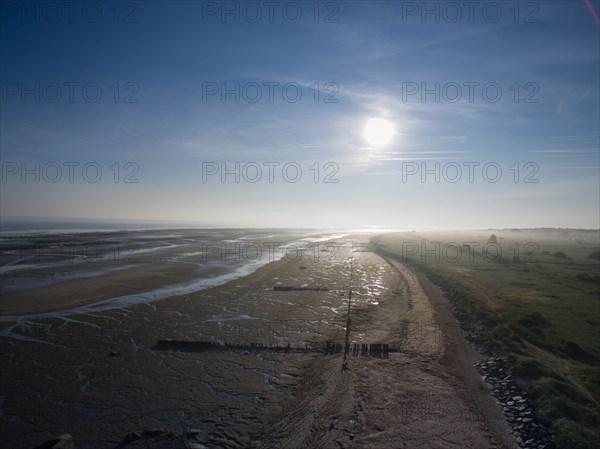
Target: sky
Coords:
[[254, 113]]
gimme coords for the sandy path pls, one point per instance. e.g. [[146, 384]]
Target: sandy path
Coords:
[[426, 396]]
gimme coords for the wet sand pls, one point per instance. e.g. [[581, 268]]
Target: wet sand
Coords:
[[97, 377], [88, 290], [427, 395]]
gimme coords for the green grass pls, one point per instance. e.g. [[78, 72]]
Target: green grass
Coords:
[[534, 297]]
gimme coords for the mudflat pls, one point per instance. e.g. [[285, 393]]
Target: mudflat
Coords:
[[99, 376], [87, 290]]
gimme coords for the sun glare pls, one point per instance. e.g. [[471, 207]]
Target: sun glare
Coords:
[[379, 132]]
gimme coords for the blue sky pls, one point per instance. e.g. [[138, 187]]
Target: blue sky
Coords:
[[534, 100]]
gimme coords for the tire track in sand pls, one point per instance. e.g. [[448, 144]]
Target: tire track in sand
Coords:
[[415, 399]]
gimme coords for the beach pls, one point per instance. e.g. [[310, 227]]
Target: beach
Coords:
[[100, 375]]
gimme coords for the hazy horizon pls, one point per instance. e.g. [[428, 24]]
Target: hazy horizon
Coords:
[[11, 225]]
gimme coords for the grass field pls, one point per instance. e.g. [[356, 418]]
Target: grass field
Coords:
[[532, 296]]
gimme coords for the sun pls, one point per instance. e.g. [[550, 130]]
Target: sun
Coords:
[[379, 132]]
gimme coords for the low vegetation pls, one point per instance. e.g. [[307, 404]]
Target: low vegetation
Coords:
[[532, 296]]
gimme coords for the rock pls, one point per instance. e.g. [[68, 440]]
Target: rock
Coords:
[[66, 441], [194, 445], [531, 431], [62, 442]]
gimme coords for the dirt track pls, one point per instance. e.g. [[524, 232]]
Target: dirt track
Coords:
[[428, 395]]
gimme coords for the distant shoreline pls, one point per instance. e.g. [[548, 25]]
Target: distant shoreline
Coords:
[[149, 267]]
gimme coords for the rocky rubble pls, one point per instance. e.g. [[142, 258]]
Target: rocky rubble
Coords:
[[531, 430]]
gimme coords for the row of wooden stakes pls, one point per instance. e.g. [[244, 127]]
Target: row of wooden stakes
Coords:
[[377, 350]]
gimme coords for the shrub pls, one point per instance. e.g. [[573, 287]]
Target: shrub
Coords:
[[576, 352], [571, 435]]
